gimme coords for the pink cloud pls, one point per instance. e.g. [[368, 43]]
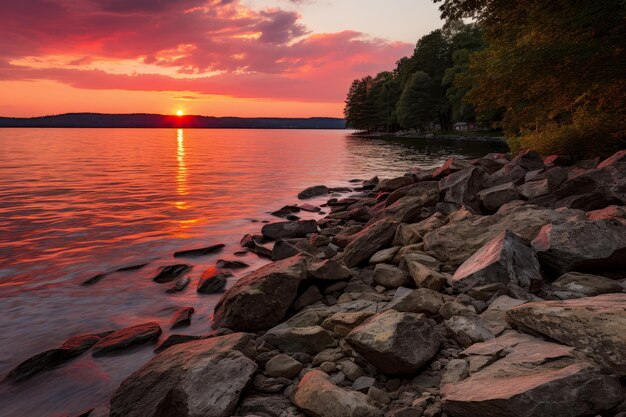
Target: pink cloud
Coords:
[[266, 54]]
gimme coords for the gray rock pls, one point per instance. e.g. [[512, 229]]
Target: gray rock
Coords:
[[421, 300], [314, 191], [260, 299], [267, 406], [424, 276], [493, 198], [182, 317], [309, 296], [351, 370], [363, 384], [577, 285], [565, 247], [384, 255], [127, 337], [312, 339], [395, 342], [283, 366], [368, 241], [318, 396], [327, 270], [289, 229], [390, 276], [462, 188], [203, 378], [455, 371], [505, 259], [595, 325], [535, 379], [468, 330]]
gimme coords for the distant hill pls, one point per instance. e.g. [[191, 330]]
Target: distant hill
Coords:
[[141, 120]]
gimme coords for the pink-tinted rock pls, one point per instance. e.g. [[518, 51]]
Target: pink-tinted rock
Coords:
[[127, 337], [368, 241]]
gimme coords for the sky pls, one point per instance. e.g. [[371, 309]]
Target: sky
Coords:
[[248, 58]]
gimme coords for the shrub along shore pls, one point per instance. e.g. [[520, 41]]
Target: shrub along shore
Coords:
[[487, 287]]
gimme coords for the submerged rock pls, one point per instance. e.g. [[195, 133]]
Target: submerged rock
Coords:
[[182, 317], [203, 378], [171, 272], [209, 250], [211, 282], [260, 299], [318, 396], [71, 348], [289, 229], [396, 343], [222, 263], [127, 337]]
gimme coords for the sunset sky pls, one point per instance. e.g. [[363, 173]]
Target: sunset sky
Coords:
[[292, 58]]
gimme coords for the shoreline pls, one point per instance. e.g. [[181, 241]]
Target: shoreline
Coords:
[[411, 293], [408, 135]]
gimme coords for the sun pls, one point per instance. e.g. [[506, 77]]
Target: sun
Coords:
[[179, 112]]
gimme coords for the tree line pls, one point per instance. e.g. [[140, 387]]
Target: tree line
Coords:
[[552, 75]]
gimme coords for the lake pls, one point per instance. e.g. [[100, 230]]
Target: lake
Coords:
[[78, 202]]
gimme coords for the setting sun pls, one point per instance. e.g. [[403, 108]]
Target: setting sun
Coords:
[[179, 112]]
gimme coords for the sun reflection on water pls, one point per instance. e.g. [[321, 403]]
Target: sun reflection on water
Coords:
[[181, 174]]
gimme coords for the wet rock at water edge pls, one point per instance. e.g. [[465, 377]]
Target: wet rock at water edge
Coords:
[[131, 267], [171, 272], [314, 191], [209, 250], [95, 279], [179, 285], [225, 264], [285, 211], [127, 337], [212, 283], [202, 378], [177, 339], [182, 317], [71, 348], [289, 229]]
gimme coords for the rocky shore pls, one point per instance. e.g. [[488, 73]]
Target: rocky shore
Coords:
[[487, 287]]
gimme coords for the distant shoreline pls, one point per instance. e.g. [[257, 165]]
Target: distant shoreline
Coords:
[[403, 135], [159, 121]]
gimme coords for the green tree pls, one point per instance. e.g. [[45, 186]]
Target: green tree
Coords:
[[558, 69], [414, 109]]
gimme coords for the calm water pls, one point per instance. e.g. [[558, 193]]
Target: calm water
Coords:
[[77, 202]]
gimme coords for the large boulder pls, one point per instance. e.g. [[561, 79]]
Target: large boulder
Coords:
[[127, 337], [595, 325], [466, 233], [327, 270], [491, 199], [318, 396], [311, 339], [368, 241], [506, 259], [535, 379], [427, 190], [291, 229], [260, 300], [202, 378], [396, 343], [393, 184], [409, 209], [462, 188], [580, 245]]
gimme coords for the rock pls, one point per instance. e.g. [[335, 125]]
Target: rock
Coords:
[[327, 270], [311, 340], [342, 323], [179, 285], [318, 396], [427, 190], [378, 395], [315, 191], [384, 255], [535, 379], [468, 330], [309, 296], [505, 259], [491, 199], [283, 250], [450, 166], [368, 241], [222, 263], [267, 406], [393, 184], [269, 385], [577, 285], [209, 250], [182, 317], [410, 209], [451, 308], [289, 229], [260, 299], [283, 366], [390, 276], [211, 282], [396, 343], [351, 370], [177, 339], [534, 189], [309, 207], [508, 173], [565, 247], [595, 325], [425, 277], [455, 371], [421, 300], [462, 188], [71, 348], [127, 337], [528, 160], [363, 384], [171, 272], [203, 378]]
